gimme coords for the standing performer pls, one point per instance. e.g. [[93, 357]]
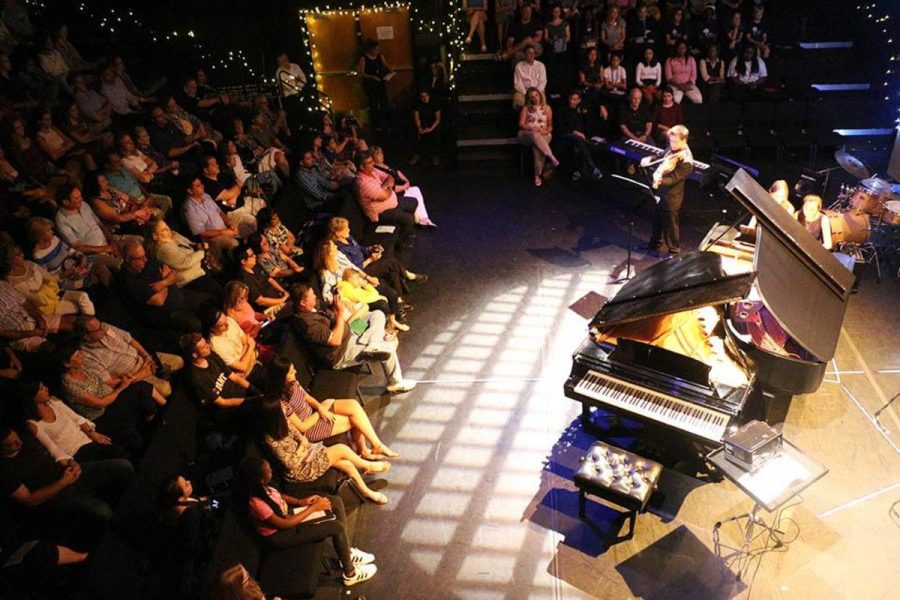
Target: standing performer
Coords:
[[669, 179]]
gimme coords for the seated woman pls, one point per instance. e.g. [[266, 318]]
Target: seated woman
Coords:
[[265, 293], [265, 136], [188, 259], [330, 264], [319, 421], [404, 187], [371, 259], [814, 220], [118, 406], [354, 288], [58, 146], [302, 461], [64, 433], [274, 262], [46, 291], [189, 523], [121, 214], [238, 308], [476, 12], [34, 162], [666, 115], [280, 520], [74, 269], [280, 238], [86, 134], [255, 154], [535, 130]]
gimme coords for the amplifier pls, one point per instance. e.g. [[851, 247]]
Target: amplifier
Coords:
[[752, 445]]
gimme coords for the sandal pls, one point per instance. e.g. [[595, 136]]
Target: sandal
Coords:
[[385, 451], [538, 182], [378, 498], [383, 467]]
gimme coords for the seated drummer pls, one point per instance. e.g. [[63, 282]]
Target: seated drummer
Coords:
[[814, 220]]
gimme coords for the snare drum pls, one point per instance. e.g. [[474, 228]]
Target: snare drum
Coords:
[[891, 213], [849, 227], [864, 200]]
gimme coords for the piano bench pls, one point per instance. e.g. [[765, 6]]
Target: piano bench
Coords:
[[619, 476]]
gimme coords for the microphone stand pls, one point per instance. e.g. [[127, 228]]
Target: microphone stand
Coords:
[[632, 216]]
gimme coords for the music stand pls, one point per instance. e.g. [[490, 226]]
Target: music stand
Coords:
[[632, 216], [770, 487]]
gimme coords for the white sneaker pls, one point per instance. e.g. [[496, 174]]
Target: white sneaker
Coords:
[[362, 573], [358, 557], [401, 387]]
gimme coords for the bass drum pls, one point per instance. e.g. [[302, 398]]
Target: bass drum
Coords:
[[851, 227]]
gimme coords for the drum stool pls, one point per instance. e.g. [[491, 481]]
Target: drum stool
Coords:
[[619, 476]]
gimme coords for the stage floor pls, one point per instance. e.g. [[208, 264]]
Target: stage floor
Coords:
[[482, 504]]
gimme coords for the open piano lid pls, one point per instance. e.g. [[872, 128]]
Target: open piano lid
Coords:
[[804, 287], [686, 282]]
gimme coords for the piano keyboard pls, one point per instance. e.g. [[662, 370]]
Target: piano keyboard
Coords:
[[647, 149], [662, 408]]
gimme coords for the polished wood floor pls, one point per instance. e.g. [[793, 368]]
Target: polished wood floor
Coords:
[[482, 505]]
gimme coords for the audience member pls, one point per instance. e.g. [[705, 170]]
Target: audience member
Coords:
[[681, 75], [757, 34], [504, 17], [266, 294], [612, 31], [273, 261], [635, 121], [281, 520], [46, 292], [648, 75], [375, 72], [615, 80], [215, 384], [528, 73], [427, 120], [536, 130], [340, 340], [712, 72], [207, 221], [279, 236], [402, 185], [230, 197], [476, 12], [570, 128], [666, 115], [235, 347], [188, 260], [318, 191], [746, 74], [527, 31], [80, 228], [381, 204]]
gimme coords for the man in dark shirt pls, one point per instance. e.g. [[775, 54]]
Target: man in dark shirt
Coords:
[[635, 121], [153, 288], [65, 493], [167, 139], [214, 382], [341, 342], [570, 128], [265, 293], [528, 30]]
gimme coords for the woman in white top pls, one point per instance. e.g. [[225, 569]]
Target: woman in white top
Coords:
[[615, 80], [65, 434], [535, 130], [183, 256], [648, 75]]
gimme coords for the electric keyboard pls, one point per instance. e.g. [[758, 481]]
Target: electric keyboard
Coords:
[[634, 151]]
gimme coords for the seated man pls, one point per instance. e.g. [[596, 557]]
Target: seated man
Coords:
[[529, 73], [94, 107], [376, 195], [317, 192], [23, 324], [228, 194], [207, 221], [264, 293], [528, 30], [121, 99], [570, 129], [112, 352], [235, 347], [122, 179], [66, 493], [635, 122], [80, 228], [331, 336], [214, 382], [167, 138], [153, 291]]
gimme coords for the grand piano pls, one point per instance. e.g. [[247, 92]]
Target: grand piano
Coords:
[[668, 351]]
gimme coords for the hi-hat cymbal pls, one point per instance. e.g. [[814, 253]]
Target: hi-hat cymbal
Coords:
[[852, 165], [877, 186]]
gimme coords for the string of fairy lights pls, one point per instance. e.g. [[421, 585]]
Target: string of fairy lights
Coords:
[[879, 18]]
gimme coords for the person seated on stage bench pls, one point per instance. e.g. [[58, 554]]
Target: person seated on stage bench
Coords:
[[814, 220], [712, 72], [648, 75], [635, 121], [666, 115], [681, 73], [746, 73], [570, 129], [535, 130], [615, 79], [529, 73], [332, 336]]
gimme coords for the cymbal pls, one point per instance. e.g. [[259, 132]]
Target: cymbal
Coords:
[[851, 164], [878, 186]]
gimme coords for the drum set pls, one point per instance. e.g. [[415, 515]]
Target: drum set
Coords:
[[865, 218]]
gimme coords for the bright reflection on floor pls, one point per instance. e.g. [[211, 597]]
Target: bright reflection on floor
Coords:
[[474, 438]]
